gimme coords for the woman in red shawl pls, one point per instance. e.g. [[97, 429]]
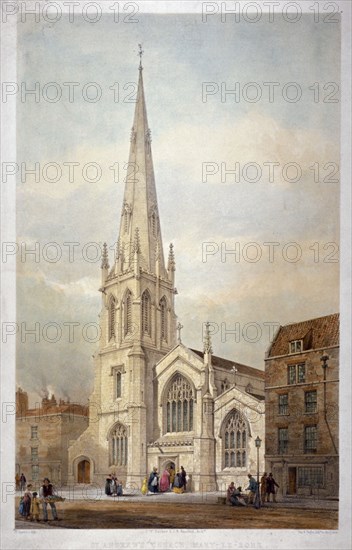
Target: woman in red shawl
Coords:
[[165, 481]]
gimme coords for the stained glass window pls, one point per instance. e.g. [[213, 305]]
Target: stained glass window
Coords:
[[235, 441], [179, 408]]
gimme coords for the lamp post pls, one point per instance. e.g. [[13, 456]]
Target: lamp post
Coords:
[[258, 443]]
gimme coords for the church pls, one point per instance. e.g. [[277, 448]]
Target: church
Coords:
[[156, 402]]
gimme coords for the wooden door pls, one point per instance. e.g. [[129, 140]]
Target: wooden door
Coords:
[[83, 471], [292, 481]]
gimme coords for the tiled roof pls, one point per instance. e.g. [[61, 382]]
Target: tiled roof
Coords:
[[227, 364], [315, 333]]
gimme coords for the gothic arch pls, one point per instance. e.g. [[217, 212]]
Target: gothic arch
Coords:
[[178, 403], [127, 312], [164, 319], [111, 317], [118, 444], [79, 459], [146, 315], [235, 434]]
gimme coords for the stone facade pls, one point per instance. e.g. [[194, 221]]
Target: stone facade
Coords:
[[301, 403], [43, 435], [155, 401]]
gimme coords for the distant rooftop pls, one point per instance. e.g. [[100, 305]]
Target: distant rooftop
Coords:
[[315, 333]]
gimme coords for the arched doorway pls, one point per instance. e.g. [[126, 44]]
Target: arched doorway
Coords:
[[83, 471]]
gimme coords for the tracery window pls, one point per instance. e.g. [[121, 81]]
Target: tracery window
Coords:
[[112, 319], [118, 446], [146, 313], [163, 323], [180, 405], [128, 313], [235, 441]]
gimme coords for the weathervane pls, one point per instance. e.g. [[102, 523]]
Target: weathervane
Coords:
[[140, 53]]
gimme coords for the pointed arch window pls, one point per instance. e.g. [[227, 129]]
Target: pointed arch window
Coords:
[[146, 313], [128, 313], [235, 439], [163, 319], [179, 406], [118, 446], [112, 318]]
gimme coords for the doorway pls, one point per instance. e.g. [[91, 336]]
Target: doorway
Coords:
[[83, 471], [292, 481]]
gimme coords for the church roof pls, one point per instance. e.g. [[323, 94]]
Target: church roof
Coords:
[[228, 364], [316, 334]]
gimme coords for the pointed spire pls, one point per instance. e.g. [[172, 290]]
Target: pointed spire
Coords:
[[140, 204], [171, 265], [207, 339], [105, 257]]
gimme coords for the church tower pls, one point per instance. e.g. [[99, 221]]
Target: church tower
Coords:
[[137, 320]]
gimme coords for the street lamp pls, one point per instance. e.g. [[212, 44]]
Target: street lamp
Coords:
[[258, 443]]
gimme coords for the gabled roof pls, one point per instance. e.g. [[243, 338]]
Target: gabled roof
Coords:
[[315, 333], [228, 365]]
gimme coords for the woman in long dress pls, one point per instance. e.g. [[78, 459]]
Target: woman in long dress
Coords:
[[153, 482], [165, 481], [178, 484]]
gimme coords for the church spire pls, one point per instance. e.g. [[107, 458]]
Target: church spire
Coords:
[[140, 206]]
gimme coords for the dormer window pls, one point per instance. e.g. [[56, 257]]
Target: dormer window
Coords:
[[296, 346]]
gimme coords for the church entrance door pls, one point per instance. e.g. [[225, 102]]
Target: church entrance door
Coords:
[[83, 471]]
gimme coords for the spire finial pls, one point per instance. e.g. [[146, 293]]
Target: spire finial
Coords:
[[105, 257], [171, 260], [179, 328], [140, 53], [207, 339]]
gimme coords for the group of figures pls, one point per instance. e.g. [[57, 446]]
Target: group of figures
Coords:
[[31, 503], [267, 487], [113, 487], [170, 480]]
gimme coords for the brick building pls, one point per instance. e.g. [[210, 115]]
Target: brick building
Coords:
[[301, 403], [43, 434]]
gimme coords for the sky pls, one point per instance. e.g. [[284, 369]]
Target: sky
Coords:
[[201, 210]]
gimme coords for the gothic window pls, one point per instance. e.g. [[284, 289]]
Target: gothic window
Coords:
[[128, 313], [118, 384], [146, 313], [112, 318], [163, 315], [179, 407], [118, 446], [235, 441]]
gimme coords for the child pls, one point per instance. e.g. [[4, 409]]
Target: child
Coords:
[[35, 507], [144, 489], [27, 500]]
